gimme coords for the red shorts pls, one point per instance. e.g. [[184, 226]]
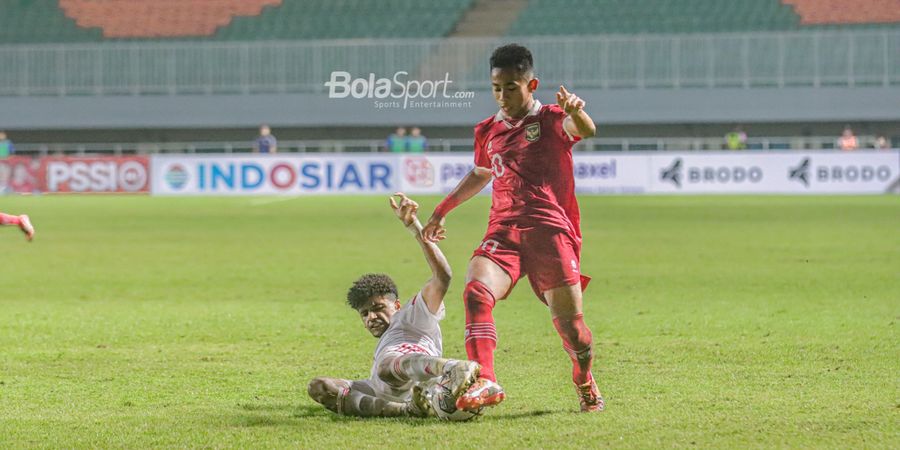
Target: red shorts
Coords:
[[550, 257]]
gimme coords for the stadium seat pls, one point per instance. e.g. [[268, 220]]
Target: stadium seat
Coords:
[[160, 18], [818, 12], [576, 17], [41, 21]]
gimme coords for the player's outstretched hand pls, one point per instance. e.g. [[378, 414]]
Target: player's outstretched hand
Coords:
[[569, 102], [406, 210], [434, 230]]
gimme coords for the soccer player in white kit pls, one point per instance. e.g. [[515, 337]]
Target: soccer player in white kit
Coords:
[[408, 355]]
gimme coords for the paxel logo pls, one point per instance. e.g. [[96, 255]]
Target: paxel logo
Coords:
[[677, 173], [454, 172], [838, 173], [603, 170]]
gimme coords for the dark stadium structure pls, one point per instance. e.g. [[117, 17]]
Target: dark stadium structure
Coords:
[[119, 71]]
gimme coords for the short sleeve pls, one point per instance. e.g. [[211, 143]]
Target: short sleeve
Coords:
[[481, 155], [419, 316], [559, 117]]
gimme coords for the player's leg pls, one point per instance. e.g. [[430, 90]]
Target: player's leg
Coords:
[[566, 309], [552, 263], [486, 282], [353, 398], [421, 367], [22, 221]]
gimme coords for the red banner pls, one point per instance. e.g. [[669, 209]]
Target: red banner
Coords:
[[18, 174], [124, 174]]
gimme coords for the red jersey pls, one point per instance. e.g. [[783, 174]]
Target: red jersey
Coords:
[[531, 161]]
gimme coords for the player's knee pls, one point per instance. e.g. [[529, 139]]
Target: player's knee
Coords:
[[478, 296], [574, 330], [386, 373]]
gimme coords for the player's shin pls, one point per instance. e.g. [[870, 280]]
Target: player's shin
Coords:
[[578, 343], [481, 334], [354, 403], [419, 367]]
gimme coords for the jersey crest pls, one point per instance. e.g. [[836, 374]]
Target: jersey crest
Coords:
[[533, 132]]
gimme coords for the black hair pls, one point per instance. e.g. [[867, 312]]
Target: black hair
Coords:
[[368, 286], [513, 56]]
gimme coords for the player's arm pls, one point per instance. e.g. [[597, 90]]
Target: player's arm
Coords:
[[436, 287], [471, 184], [578, 123]]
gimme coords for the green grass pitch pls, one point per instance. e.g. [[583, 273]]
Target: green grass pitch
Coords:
[[720, 322]]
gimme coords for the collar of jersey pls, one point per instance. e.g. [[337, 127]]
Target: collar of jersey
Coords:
[[500, 117]]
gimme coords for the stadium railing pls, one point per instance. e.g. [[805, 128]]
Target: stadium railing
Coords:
[[812, 58], [435, 145]]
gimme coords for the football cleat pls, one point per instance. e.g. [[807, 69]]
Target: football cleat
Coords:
[[461, 375], [482, 393], [419, 405], [591, 400], [26, 227]]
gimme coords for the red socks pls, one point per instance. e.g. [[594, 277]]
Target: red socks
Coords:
[[7, 219], [578, 343], [481, 335]]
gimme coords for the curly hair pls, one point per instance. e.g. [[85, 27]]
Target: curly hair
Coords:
[[513, 56], [368, 286]]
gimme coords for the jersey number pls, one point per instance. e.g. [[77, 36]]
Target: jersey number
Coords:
[[497, 168], [490, 246]]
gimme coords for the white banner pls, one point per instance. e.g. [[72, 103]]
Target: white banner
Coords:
[[274, 174], [747, 172], [428, 173], [793, 172], [611, 173]]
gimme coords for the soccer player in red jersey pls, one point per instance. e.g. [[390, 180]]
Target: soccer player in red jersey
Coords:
[[23, 222], [533, 230]]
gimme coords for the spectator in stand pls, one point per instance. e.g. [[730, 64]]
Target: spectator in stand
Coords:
[[881, 143], [848, 141], [417, 143], [266, 142], [6, 146], [736, 139], [398, 142]]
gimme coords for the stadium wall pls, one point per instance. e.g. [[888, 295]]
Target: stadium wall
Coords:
[[629, 106], [814, 172]]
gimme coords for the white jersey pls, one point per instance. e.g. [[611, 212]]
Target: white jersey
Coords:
[[413, 329]]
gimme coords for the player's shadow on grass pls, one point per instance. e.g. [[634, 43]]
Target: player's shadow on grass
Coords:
[[492, 416], [273, 416]]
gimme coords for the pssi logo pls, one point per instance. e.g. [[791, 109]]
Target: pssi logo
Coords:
[[419, 171]]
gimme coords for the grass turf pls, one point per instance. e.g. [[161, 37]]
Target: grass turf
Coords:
[[196, 322]]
